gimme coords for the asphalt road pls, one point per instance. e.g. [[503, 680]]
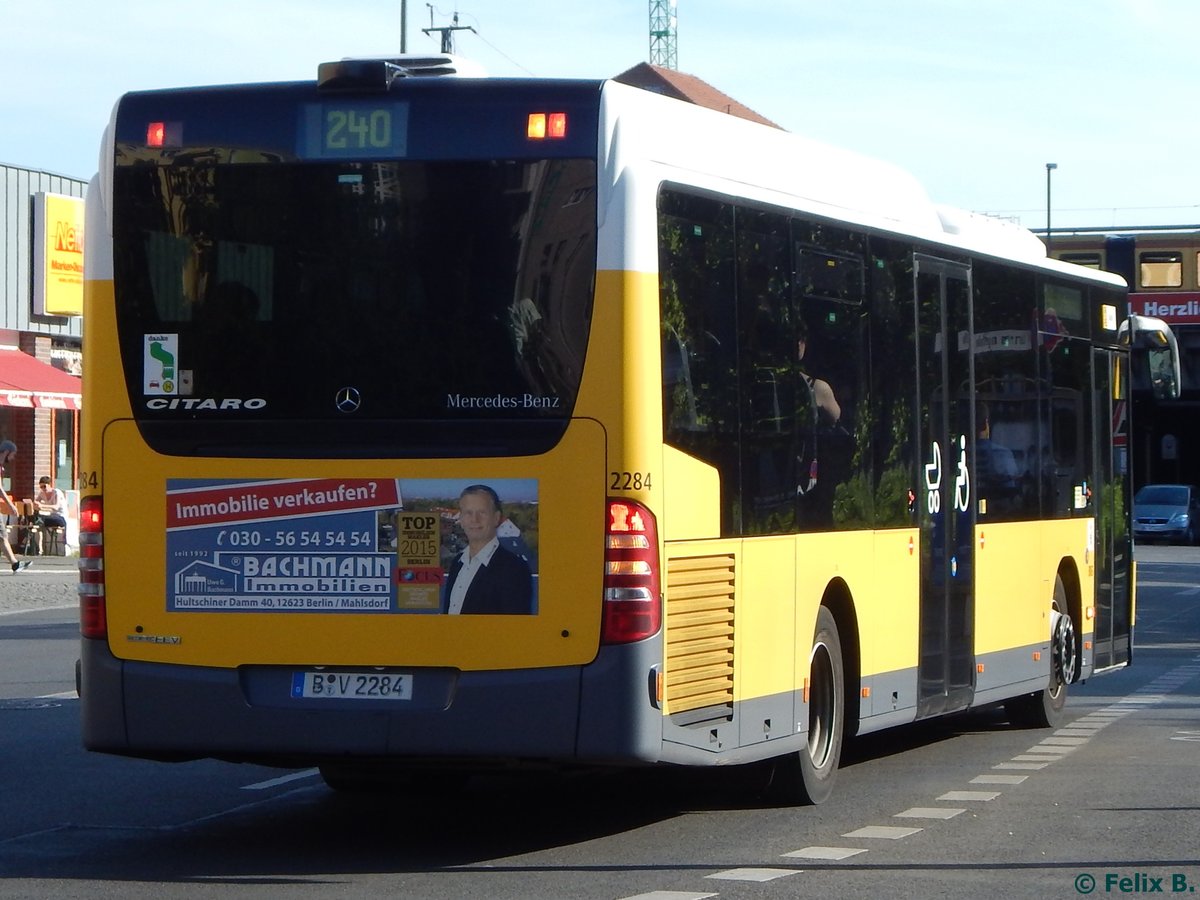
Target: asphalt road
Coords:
[[49, 583], [966, 806]]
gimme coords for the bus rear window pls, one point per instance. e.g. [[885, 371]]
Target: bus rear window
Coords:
[[414, 291]]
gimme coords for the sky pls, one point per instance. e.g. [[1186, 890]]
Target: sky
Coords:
[[974, 97]]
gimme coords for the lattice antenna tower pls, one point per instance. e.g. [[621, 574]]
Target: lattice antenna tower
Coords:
[[664, 20]]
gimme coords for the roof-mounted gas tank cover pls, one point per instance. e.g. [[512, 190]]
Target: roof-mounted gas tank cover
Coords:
[[378, 74]]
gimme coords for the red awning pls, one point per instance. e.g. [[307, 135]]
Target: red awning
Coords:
[[25, 381]]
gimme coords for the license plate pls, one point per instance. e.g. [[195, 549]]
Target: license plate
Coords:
[[352, 685]]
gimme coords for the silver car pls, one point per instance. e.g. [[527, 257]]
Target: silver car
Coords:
[[1166, 512]]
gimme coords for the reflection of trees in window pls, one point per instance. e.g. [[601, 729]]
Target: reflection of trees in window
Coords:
[[699, 338], [772, 451], [830, 295], [883, 481], [489, 265], [699, 319], [768, 351]]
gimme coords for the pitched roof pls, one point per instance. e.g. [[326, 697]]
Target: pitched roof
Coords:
[[688, 88]]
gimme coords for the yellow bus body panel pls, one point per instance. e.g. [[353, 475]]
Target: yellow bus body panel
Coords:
[[131, 478], [777, 585], [1015, 567], [889, 617], [564, 631]]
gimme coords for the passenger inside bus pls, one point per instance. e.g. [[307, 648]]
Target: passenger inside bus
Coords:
[[995, 464], [823, 395]]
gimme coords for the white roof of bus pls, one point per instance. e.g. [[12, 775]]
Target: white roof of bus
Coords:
[[708, 149]]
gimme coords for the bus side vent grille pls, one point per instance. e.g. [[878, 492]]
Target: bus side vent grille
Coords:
[[699, 633]]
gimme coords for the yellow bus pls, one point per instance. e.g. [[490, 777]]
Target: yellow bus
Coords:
[[438, 424]]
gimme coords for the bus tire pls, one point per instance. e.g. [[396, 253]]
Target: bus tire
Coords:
[[1046, 708], [807, 777]]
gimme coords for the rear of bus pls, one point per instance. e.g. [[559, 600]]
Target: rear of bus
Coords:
[[317, 314]]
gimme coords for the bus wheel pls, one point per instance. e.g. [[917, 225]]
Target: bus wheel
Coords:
[[1045, 708], [807, 777]]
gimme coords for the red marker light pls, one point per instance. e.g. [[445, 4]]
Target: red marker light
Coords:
[[156, 134], [557, 125]]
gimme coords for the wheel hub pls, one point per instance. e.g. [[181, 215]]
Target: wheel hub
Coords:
[[1062, 646]]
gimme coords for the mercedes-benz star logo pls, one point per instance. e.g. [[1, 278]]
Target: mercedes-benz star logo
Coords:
[[348, 400]]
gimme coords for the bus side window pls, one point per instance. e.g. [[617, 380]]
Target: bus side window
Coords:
[[698, 337], [769, 464], [832, 353]]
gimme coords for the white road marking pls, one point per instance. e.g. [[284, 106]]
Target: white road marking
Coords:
[[1021, 765], [886, 832], [833, 853], [283, 779], [754, 874], [983, 796], [929, 812]]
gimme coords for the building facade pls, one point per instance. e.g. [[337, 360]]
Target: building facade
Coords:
[[41, 290]]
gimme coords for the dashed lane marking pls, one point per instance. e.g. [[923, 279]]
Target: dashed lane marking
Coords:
[[998, 779], [1063, 741], [929, 812], [1056, 747], [828, 853], [1021, 765], [884, 832], [751, 874], [981, 796]]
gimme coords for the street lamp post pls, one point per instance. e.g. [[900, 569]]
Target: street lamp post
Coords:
[[1050, 167]]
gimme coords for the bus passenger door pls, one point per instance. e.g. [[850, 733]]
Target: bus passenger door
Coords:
[[1114, 548], [946, 668]]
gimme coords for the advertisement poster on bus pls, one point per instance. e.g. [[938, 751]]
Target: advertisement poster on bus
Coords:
[[353, 545]]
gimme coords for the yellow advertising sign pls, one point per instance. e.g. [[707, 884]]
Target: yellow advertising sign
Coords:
[[419, 570], [57, 255]]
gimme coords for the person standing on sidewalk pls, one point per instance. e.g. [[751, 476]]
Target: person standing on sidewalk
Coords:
[[7, 451]]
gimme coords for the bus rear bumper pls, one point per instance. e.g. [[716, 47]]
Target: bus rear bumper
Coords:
[[569, 715]]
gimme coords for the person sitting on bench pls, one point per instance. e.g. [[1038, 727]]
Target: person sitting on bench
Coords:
[[51, 506]]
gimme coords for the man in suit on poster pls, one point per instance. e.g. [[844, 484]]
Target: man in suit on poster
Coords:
[[486, 578]]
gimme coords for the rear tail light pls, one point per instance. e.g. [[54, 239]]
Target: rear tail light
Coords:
[[93, 616], [632, 599]]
